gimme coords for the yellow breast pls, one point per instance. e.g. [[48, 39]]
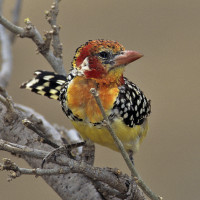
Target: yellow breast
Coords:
[[130, 137]]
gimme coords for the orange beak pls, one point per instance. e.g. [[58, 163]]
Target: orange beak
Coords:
[[126, 57]]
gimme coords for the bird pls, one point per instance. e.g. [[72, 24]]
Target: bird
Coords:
[[99, 64]]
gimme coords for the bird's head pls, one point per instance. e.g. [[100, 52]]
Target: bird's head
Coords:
[[103, 60]]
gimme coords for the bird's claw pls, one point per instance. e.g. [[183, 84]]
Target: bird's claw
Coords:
[[66, 148]]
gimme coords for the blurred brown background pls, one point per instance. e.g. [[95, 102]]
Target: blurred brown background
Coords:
[[168, 34]]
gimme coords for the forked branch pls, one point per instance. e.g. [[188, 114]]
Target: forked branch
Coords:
[[30, 31]]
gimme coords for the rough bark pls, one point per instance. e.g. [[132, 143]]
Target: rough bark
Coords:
[[68, 186]]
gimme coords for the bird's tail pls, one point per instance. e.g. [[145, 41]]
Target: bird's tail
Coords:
[[45, 83]]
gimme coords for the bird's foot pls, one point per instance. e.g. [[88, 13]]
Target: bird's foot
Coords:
[[66, 149]]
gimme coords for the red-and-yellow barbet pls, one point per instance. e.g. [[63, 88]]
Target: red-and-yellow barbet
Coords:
[[99, 64]]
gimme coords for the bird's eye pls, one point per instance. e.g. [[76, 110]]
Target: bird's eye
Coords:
[[104, 55]]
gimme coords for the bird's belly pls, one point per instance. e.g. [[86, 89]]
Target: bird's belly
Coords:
[[130, 137]]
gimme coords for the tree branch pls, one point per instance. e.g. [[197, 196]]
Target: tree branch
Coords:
[[120, 146], [105, 189], [87, 151], [21, 150], [6, 49], [14, 131], [30, 31], [94, 173], [25, 136], [17, 172], [9, 165], [51, 17], [32, 127]]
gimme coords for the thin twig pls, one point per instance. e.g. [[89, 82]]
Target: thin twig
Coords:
[[120, 146], [30, 31], [9, 165], [10, 26], [95, 173], [51, 17], [22, 150], [65, 148], [17, 171], [31, 126], [35, 117]]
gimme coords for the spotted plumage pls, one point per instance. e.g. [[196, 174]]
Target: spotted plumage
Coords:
[[45, 83], [99, 64], [131, 104]]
